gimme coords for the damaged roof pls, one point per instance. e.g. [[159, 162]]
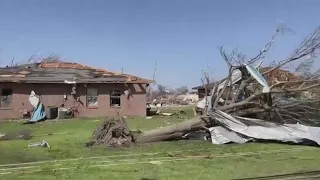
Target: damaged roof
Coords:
[[64, 72], [210, 85], [278, 74], [281, 74]]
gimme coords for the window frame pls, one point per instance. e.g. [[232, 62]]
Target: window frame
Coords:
[[92, 96], [10, 95], [114, 105]]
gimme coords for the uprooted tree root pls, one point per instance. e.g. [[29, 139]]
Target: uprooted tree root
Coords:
[[112, 132]]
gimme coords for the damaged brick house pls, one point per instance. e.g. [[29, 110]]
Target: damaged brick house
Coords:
[[276, 75], [202, 91], [90, 92]]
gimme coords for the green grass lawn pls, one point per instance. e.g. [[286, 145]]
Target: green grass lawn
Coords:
[[68, 157]]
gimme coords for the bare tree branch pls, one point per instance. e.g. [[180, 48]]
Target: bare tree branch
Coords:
[[279, 30]]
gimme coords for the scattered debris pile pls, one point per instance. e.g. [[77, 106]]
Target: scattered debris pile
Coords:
[[181, 114], [175, 100]]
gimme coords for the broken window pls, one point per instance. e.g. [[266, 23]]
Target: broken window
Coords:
[[115, 98], [6, 97], [92, 97]]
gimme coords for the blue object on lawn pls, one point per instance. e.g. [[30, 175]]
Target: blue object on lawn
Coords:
[[39, 114]]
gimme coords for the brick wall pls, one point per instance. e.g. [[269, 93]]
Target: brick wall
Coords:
[[53, 95]]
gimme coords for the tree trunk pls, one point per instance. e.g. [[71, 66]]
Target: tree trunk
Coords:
[[175, 131], [115, 132]]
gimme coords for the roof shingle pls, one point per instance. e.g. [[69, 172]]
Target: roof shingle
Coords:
[[58, 72]]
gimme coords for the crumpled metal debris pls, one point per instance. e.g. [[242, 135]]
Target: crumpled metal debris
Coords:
[[241, 130], [43, 143]]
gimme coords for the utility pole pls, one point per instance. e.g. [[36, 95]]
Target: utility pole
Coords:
[[153, 78], [154, 71]]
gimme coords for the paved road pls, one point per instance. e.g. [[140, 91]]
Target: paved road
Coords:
[[311, 175]]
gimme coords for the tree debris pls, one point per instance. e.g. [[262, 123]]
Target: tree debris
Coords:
[[275, 94]]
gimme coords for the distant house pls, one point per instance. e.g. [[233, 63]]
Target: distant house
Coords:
[[91, 92], [202, 92]]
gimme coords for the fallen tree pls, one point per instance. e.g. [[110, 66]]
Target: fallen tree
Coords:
[[281, 96]]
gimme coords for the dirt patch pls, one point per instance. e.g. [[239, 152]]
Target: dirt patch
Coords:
[[14, 135]]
